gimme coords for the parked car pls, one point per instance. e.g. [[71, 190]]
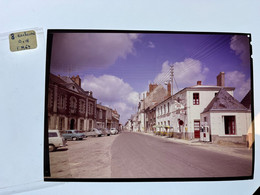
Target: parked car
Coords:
[[73, 135], [56, 140], [106, 132], [93, 132], [113, 131]]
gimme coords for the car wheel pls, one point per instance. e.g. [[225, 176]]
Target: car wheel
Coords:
[[74, 138], [51, 148]]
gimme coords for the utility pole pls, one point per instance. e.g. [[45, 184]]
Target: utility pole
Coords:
[[172, 74], [144, 112]]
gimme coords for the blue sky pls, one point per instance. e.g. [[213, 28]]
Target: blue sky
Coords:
[[117, 67]]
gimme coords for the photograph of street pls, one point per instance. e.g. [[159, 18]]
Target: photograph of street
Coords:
[[148, 105]]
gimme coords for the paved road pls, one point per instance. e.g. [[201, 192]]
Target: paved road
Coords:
[[89, 158], [140, 156]]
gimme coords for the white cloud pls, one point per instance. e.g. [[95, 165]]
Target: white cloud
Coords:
[[240, 44], [151, 44], [114, 92], [238, 80], [79, 51], [186, 73]]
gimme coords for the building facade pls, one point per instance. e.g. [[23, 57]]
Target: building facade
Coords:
[[101, 120], [225, 119], [69, 106], [146, 110], [180, 113], [115, 120]]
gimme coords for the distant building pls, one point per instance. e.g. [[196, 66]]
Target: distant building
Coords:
[[101, 117], [115, 120], [108, 117], [156, 93], [128, 125]]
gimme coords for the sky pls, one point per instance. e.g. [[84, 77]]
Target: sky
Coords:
[[118, 67]]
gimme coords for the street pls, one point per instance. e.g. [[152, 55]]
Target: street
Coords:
[[141, 156], [135, 155]]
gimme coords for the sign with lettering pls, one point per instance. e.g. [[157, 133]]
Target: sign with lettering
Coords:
[[23, 40]]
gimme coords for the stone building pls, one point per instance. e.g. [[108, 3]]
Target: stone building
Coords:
[[115, 120], [156, 94], [101, 117], [69, 106]]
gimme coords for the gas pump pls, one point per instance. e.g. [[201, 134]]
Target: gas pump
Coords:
[[204, 133]]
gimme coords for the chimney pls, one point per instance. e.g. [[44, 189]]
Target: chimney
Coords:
[[152, 87], [198, 82], [169, 87], [77, 80], [221, 79]]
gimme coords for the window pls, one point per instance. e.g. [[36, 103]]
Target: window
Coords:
[[205, 119], [161, 110], [61, 123], [169, 123], [81, 124], [164, 109], [100, 114], [62, 100], [82, 106], [73, 105], [168, 107], [50, 98], [196, 99], [230, 125], [90, 108]]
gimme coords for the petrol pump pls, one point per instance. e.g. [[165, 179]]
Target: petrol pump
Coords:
[[204, 133]]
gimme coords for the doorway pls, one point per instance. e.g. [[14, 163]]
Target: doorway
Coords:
[[230, 125], [196, 129], [72, 124]]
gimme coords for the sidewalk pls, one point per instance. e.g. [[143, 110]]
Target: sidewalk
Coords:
[[228, 149]]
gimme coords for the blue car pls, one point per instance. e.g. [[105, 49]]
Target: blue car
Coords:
[[73, 135]]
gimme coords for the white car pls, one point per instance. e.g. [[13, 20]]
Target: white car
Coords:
[[113, 131], [56, 140]]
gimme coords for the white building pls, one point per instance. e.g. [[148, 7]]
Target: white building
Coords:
[[226, 118], [135, 123], [128, 125], [164, 115], [185, 107]]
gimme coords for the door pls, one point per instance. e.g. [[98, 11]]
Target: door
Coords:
[[230, 125], [72, 124], [196, 129]]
